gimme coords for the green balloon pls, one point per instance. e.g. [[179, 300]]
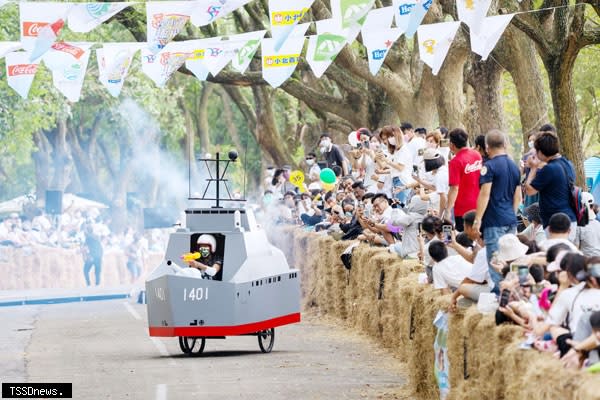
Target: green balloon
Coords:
[[327, 175]]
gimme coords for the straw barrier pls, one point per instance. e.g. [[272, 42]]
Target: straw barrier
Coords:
[[380, 296]]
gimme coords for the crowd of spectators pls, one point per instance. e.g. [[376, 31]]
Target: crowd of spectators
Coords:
[[479, 221]]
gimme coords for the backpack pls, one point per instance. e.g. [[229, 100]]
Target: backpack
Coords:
[[576, 202]]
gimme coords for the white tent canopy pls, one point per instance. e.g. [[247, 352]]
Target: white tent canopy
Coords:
[[70, 202]]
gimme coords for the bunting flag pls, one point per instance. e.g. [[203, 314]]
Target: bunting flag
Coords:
[[402, 11], [278, 66], [114, 60], [159, 67], [20, 72], [246, 52], [435, 41], [196, 62], [85, 17], [378, 37], [472, 12], [483, 43], [40, 24], [209, 12], [164, 20], [7, 47], [416, 16], [285, 17], [68, 63], [325, 46], [350, 12]]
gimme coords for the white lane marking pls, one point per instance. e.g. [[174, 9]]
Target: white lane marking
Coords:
[[162, 349], [132, 311], [161, 391]]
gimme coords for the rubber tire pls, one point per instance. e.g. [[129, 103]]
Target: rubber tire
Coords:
[[187, 344], [265, 335]]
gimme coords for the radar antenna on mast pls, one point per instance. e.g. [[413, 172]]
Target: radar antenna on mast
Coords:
[[219, 177]]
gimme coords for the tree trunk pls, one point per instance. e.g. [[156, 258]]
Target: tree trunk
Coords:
[[41, 157], [450, 86], [266, 133], [485, 78], [62, 159], [83, 159]]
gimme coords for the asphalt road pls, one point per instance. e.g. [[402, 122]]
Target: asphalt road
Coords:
[[103, 348]]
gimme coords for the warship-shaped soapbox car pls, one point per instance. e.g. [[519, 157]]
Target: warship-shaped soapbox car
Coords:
[[257, 291]]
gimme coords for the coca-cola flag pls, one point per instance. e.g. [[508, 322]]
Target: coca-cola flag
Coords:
[[207, 12], [164, 20], [159, 67], [378, 37], [85, 17], [40, 24], [114, 60], [435, 41], [68, 66], [7, 47], [20, 72]]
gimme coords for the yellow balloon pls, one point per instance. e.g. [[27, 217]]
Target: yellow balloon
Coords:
[[328, 186], [297, 178]]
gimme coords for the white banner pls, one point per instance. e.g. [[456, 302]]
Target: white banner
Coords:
[[435, 41], [278, 66], [350, 12], [483, 43], [246, 52], [472, 12], [378, 37], [416, 16], [69, 64], [114, 60], [34, 17], [164, 20], [285, 16], [7, 47], [402, 11], [326, 45], [207, 12], [159, 67], [20, 72], [85, 17]]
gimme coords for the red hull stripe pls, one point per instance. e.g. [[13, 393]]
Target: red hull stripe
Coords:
[[208, 331]]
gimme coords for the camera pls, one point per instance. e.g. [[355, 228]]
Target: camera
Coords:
[[416, 169]]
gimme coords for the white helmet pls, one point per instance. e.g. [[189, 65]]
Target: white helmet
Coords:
[[208, 239]]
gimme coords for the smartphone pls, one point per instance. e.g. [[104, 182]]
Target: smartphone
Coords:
[[447, 233], [419, 227], [421, 152], [444, 143], [416, 169], [523, 274], [504, 297]]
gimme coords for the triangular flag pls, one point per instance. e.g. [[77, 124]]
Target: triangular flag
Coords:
[[284, 17], [68, 65], [210, 11], [378, 37], [227, 48], [435, 41], [20, 72], [40, 24], [278, 66], [472, 12], [196, 62], [85, 17], [7, 47], [483, 43], [164, 20], [159, 67], [114, 60], [402, 11], [244, 56], [416, 16], [350, 12], [326, 45]]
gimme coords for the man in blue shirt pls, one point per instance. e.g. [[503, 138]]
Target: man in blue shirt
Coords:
[[499, 197], [550, 175]]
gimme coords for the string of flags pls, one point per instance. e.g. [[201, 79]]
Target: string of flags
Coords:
[[41, 23]]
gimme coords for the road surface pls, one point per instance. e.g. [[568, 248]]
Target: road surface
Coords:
[[103, 348]]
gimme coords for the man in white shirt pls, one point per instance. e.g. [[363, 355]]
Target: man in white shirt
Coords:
[[414, 142], [448, 272], [559, 230]]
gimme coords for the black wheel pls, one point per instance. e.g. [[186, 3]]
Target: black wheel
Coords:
[[266, 339], [192, 345]]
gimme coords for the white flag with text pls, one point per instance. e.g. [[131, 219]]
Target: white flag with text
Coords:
[[284, 17], [472, 12], [85, 17], [20, 72], [7, 47], [207, 12], [350, 12], [278, 66], [114, 60], [327, 43], [483, 43], [164, 20], [40, 25], [378, 37], [246, 52], [159, 67], [435, 41], [416, 16], [68, 63], [402, 11]]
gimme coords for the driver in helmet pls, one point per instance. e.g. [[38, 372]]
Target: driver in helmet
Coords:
[[209, 263]]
